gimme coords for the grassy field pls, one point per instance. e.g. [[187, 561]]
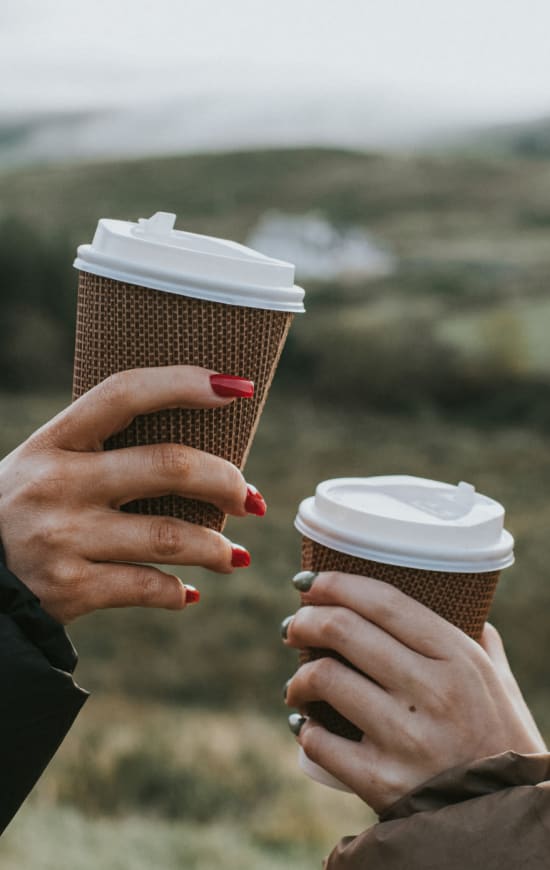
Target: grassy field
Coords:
[[441, 369], [144, 785]]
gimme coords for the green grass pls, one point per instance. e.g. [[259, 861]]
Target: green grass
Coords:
[[60, 838], [144, 785]]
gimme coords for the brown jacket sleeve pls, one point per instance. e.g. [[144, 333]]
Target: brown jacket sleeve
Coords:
[[493, 814]]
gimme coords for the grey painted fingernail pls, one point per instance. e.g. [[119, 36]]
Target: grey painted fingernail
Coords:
[[296, 722], [303, 581], [284, 626], [285, 689]]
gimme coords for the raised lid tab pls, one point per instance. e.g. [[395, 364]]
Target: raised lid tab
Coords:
[[409, 521], [160, 225], [151, 253]]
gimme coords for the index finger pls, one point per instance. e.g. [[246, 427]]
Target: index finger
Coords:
[[409, 621], [111, 405]]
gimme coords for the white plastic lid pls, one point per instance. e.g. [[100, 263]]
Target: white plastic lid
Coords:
[[409, 521], [151, 253]]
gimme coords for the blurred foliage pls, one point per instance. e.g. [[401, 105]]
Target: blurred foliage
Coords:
[[470, 236], [441, 369], [61, 838], [141, 785]]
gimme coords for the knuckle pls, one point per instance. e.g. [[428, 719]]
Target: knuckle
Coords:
[[309, 678], [335, 626], [292, 689], [310, 742], [115, 389], [149, 587], [54, 488], [389, 600], [71, 573], [44, 534], [170, 460], [320, 675], [234, 481], [65, 588], [45, 482], [220, 550], [230, 484], [164, 538], [302, 628], [326, 584]]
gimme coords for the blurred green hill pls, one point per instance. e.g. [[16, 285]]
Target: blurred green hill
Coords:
[[466, 308], [530, 139]]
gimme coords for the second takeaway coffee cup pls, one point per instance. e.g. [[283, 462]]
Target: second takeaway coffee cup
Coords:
[[151, 295], [441, 544]]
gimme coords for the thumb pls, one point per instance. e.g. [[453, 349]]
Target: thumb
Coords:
[[491, 642], [493, 646]]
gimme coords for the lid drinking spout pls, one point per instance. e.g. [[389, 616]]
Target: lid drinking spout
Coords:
[[160, 224], [465, 495]]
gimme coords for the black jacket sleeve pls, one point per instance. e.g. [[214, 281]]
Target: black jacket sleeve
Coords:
[[38, 698]]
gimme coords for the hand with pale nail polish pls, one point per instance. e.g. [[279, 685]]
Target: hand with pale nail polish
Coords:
[[60, 494], [424, 695]]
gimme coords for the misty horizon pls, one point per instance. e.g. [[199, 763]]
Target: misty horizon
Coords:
[[130, 80]]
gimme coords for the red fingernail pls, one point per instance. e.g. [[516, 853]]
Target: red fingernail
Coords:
[[254, 503], [240, 558], [192, 595], [231, 386]]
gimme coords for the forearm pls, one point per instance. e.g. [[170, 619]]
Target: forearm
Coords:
[[494, 814], [38, 697]]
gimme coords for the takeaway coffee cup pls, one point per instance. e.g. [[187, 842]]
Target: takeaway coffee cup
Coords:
[[443, 545], [150, 295]]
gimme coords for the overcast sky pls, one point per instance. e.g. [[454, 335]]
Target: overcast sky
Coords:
[[469, 60]]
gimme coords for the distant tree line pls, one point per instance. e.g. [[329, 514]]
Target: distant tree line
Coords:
[[37, 305], [401, 367]]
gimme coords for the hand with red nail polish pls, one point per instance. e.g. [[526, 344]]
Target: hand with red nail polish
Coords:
[[61, 526]]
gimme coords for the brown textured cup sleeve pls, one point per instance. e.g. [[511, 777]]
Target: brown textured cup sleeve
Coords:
[[125, 326]]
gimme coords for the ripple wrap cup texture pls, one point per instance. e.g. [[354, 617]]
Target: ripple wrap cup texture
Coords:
[[123, 326], [463, 599]]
